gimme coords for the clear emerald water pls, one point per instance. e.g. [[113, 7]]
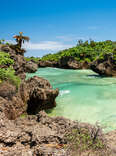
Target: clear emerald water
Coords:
[[84, 96]]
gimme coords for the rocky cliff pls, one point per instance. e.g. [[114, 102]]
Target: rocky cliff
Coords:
[[32, 95], [105, 66], [26, 130], [20, 65], [66, 62]]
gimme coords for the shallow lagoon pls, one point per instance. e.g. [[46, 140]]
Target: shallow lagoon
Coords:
[[84, 96]]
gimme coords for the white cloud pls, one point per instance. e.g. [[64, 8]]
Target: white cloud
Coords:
[[46, 45]]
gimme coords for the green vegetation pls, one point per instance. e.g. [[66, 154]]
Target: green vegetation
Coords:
[[22, 116], [34, 59], [7, 72], [5, 59], [85, 51], [83, 139]]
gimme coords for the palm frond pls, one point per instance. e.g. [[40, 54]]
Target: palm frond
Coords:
[[26, 38], [20, 39], [16, 36]]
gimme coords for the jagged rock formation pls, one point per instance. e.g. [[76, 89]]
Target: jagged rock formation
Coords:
[[22, 134], [66, 62], [20, 65], [70, 63], [48, 64], [41, 95], [11, 101], [37, 135], [33, 135], [33, 95], [31, 67], [40, 135], [105, 66]]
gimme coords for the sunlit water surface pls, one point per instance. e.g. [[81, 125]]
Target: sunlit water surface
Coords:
[[84, 96]]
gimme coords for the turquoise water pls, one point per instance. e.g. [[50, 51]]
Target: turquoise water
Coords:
[[84, 96]]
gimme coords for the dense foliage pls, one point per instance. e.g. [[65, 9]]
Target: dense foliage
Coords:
[[5, 59], [7, 72], [33, 59], [85, 51]]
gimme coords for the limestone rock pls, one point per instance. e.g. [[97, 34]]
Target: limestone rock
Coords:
[[66, 62], [31, 67], [41, 95], [20, 65], [48, 64], [106, 66], [33, 95]]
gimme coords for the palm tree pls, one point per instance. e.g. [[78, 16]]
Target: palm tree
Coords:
[[20, 39]]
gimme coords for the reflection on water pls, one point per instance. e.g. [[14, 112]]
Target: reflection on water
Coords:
[[84, 95]]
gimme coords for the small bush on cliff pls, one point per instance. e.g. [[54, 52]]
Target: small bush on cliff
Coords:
[[5, 59], [7, 72], [86, 139]]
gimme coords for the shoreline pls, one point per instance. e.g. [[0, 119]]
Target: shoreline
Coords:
[[96, 84], [24, 125]]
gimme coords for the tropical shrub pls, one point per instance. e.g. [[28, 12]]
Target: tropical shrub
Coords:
[[7, 73], [85, 51], [5, 59], [83, 139]]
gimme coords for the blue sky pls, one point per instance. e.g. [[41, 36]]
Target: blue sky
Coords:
[[53, 25]]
